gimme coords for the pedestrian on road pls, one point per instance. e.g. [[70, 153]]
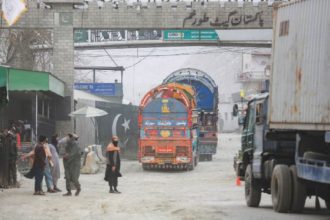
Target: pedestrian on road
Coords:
[[4, 160], [39, 165], [54, 142], [71, 161], [55, 170], [10, 141], [47, 171], [113, 166]]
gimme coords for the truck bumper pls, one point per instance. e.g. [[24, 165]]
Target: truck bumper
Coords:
[[163, 161], [313, 170], [207, 148]]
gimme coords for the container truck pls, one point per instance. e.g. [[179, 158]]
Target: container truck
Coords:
[[285, 148], [207, 107], [168, 137]]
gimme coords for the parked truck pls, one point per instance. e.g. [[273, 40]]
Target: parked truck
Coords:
[[285, 148], [207, 107], [168, 136]]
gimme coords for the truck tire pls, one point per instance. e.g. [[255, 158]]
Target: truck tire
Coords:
[[145, 167], [298, 192], [281, 188], [191, 165], [209, 157], [252, 188], [196, 160], [327, 203]]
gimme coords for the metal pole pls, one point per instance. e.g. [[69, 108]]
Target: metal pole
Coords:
[[93, 75], [36, 121]]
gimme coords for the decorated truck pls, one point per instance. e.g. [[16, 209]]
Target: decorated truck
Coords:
[[168, 137], [207, 107]]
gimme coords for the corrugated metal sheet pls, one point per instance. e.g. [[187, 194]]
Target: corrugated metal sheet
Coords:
[[300, 81]]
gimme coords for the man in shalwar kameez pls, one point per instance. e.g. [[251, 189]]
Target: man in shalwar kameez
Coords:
[[71, 161]]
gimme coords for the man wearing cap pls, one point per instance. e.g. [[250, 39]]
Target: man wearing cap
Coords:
[[113, 167], [71, 161]]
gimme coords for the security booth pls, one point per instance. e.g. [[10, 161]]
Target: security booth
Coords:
[[32, 100]]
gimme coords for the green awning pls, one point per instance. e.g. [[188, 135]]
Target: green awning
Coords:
[[28, 80]]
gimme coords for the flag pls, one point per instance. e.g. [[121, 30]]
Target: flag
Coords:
[[12, 10]]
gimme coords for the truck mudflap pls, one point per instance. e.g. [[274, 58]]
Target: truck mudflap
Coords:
[[313, 170]]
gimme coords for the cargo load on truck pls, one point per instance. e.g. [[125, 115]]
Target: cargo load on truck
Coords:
[[168, 137], [207, 107]]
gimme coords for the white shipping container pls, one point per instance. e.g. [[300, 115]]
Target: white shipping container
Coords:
[[300, 79]]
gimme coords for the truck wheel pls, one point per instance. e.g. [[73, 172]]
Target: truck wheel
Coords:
[[298, 192], [209, 157], [145, 167], [252, 189], [196, 160], [281, 188], [191, 166], [327, 203]]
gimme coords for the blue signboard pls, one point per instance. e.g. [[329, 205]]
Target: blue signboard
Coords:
[[104, 89]]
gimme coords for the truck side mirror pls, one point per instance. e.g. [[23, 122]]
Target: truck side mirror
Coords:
[[235, 110]]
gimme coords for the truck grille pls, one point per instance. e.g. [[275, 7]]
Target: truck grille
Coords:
[[165, 155], [181, 150], [149, 151]]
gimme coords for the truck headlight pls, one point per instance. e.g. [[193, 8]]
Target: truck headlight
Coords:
[[147, 159], [183, 159]]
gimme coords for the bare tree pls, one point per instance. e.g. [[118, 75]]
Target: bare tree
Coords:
[[26, 49]]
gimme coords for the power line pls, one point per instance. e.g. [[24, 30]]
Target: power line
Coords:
[[111, 57], [214, 51], [140, 60]]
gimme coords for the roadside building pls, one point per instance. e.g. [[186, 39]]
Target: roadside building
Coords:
[[34, 98]]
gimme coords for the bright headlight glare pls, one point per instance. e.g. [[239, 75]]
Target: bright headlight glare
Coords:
[[182, 159], [147, 159]]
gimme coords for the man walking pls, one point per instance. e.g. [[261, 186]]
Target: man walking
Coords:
[[71, 161], [10, 141]]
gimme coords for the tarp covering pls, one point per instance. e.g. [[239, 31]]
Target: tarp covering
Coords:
[[28, 80], [88, 112]]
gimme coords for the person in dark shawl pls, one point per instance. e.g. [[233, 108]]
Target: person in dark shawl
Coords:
[[113, 166], [4, 159], [11, 143], [39, 165], [71, 161]]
